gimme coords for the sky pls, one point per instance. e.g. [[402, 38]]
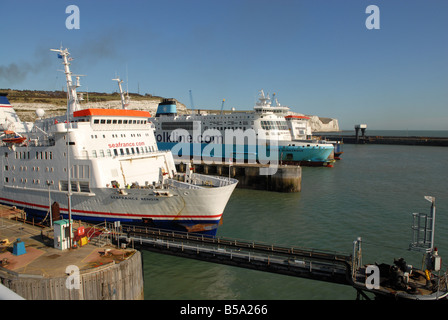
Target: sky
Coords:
[[317, 56]]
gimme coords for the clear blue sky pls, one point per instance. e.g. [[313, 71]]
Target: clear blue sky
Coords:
[[316, 55]]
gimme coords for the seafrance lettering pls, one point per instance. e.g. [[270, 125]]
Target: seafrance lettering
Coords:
[[135, 198], [125, 144]]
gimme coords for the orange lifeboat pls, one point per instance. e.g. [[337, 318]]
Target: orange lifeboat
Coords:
[[12, 137]]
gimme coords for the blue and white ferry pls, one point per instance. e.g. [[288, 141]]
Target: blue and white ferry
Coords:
[[261, 135]]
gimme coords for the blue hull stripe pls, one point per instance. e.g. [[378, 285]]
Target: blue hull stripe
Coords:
[[248, 152]]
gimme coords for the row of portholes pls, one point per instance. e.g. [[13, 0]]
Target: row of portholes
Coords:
[[25, 168], [25, 180]]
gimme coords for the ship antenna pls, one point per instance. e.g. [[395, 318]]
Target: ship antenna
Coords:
[[73, 103]]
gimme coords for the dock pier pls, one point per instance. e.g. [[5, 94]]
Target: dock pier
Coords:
[[393, 140], [292, 261], [391, 282], [39, 271], [287, 178]]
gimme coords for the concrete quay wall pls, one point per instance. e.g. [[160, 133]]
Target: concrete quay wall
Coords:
[[115, 281], [287, 178]]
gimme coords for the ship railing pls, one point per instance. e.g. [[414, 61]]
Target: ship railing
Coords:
[[196, 181], [179, 184], [316, 254], [215, 181]]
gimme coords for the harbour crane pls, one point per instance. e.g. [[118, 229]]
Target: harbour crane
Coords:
[[222, 105]]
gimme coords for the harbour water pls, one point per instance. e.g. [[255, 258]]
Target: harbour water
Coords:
[[371, 193]]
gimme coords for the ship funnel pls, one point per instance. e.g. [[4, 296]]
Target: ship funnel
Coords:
[[166, 108]]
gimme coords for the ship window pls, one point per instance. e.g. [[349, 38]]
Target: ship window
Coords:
[[74, 186], [84, 186], [119, 121], [177, 125], [109, 154], [96, 121], [6, 179], [114, 121], [121, 151], [103, 121], [125, 121], [115, 152], [63, 185], [109, 121]]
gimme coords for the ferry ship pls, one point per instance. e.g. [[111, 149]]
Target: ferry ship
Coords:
[[117, 172], [260, 135], [300, 129]]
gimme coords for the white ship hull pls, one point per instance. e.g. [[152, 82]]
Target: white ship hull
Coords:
[[184, 209]]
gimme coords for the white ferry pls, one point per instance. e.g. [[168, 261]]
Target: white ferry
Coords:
[[272, 136], [117, 172], [301, 131]]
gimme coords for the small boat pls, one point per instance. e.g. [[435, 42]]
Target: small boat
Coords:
[[10, 137]]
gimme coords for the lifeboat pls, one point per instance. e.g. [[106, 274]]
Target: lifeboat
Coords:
[[12, 137]]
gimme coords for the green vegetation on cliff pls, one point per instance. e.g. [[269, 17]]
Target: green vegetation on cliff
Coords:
[[60, 97]]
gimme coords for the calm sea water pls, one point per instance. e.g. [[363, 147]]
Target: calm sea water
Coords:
[[370, 193]]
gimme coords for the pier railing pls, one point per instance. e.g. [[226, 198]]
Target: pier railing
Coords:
[[288, 260]]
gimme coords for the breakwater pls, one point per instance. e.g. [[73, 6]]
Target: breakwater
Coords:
[[393, 140]]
